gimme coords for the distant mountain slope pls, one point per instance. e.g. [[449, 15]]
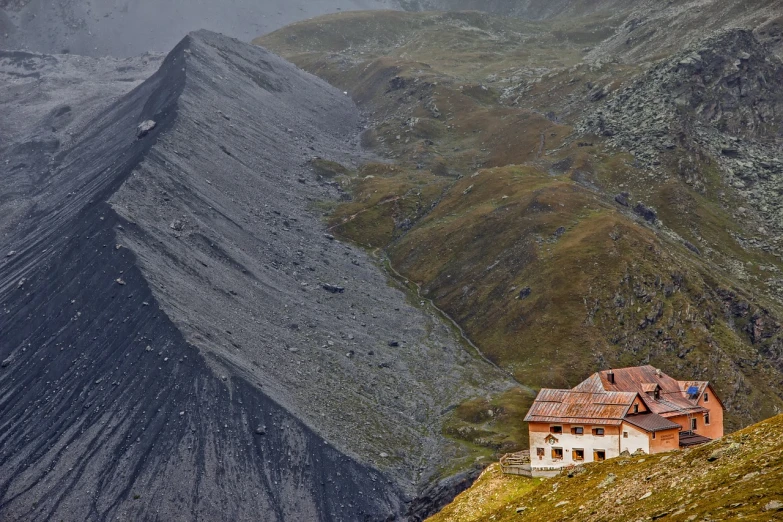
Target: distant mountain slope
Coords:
[[131, 27], [181, 338], [635, 31], [571, 213], [737, 477]]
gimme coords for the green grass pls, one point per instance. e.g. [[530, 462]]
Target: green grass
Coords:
[[683, 486]]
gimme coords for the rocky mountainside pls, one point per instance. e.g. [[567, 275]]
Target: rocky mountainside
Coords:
[[633, 32], [228, 287], [737, 477], [719, 99], [181, 336], [571, 212]]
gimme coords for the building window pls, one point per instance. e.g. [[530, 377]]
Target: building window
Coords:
[[557, 453], [577, 430], [693, 424], [706, 419], [653, 435], [555, 429], [625, 434], [657, 394], [599, 455], [706, 397], [636, 408], [540, 452], [578, 454], [598, 432]]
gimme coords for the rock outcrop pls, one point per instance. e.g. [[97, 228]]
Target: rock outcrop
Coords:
[[719, 99]]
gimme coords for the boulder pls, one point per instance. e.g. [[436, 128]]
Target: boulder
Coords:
[[144, 128]]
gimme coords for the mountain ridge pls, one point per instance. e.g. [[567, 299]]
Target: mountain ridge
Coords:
[[175, 386]]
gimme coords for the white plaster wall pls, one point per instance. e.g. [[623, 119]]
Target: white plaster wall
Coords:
[[637, 439], [567, 441]]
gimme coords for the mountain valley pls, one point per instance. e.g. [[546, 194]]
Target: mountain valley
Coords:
[[322, 277]]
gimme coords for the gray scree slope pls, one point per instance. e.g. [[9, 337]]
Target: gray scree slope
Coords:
[[168, 348]]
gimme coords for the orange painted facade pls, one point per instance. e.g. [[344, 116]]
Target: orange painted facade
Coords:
[[708, 424], [663, 441]]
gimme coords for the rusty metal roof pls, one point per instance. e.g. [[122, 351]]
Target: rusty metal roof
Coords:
[[672, 398], [580, 407], [651, 422], [597, 400]]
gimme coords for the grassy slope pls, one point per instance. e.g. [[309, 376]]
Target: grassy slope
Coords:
[[684, 486], [480, 181]]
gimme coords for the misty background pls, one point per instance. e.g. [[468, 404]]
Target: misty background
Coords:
[[130, 27]]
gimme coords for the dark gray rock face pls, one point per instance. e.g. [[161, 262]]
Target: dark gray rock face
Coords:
[[127, 28], [171, 352]]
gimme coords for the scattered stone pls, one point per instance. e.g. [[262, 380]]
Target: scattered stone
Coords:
[[562, 503], [609, 480], [733, 448], [521, 509], [751, 475], [12, 253], [646, 495], [559, 232], [693, 248], [394, 344], [622, 199], [645, 212], [333, 289], [330, 237], [261, 430], [144, 128], [715, 455], [774, 505], [384, 455], [120, 281], [6, 362], [525, 293]]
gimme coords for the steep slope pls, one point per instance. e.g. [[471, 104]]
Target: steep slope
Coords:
[[558, 245], [180, 336], [737, 477]]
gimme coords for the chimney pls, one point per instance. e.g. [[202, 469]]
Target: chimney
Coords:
[[610, 376]]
